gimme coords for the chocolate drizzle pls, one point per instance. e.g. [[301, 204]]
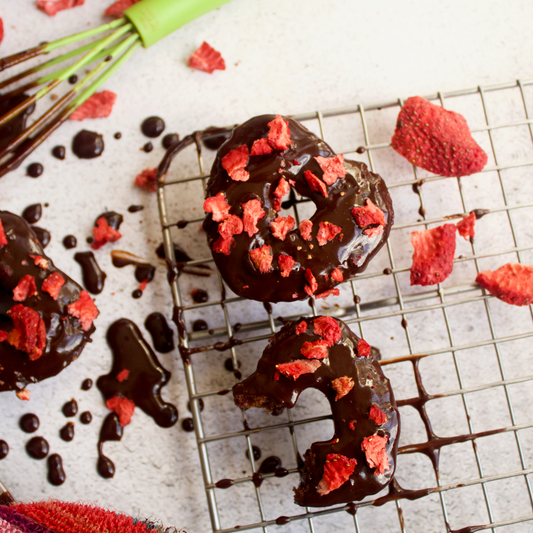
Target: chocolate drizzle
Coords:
[[111, 431], [93, 276], [162, 335], [86, 384]]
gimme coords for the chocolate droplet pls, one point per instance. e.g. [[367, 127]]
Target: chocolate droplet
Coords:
[[32, 213], [4, 449], [70, 242], [37, 448], [70, 408], [87, 384], [34, 170], [59, 152], [88, 144], [56, 474], [29, 423], [153, 127], [67, 432]]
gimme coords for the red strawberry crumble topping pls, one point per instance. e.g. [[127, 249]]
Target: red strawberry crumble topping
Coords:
[[261, 147], [52, 7], [99, 105], [312, 286], [325, 294], [351, 425], [3, 239], [234, 163], [305, 227], [336, 275], [28, 333], [123, 375], [363, 348], [368, 214], [206, 58], [373, 232], [377, 415], [511, 283], [1, 30], [3, 335], [279, 135], [232, 225], [84, 310], [315, 184], [285, 262], [342, 386], [218, 207], [281, 190], [376, 456], [23, 394], [281, 226], [295, 369], [326, 232], [332, 167], [465, 227], [327, 328], [262, 257], [146, 179], [116, 9], [301, 327], [337, 470], [104, 233], [252, 213], [52, 284], [40, 261], [26, 287], [123, 407], [315, 350]]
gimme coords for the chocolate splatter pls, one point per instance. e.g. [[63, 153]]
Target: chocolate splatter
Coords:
[[111, 431], [34, 170], [33, 213], [29, 423], [67, 432], [87, 384], [70, 408], [88, 144], [37, 447], [70, 242], [93, 276], [161, 333], [153, 127], [56, 473]]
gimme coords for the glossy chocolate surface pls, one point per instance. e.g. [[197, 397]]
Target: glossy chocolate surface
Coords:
[[16, 125], [43, 235], [29, 423], [93, 276], [56, 473], [33, 213], [88, 144], [352, 255], [153, 127], [161, 333]]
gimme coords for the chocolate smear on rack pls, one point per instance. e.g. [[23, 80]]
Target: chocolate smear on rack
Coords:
[[33, 213], [257, 479], [88, 144], [182, 258], [43, 236], [86, 384], [161, 333], [29, 423], [34, 170], [70, 242], [257, 453], [59, 152], [143, 269], [213, 138], [111, 431], [14, 127], [153, 127], [67, 432], [70, 408], [225, 483], [200, 403], [56, 473], [199, 325], [92, 274], [37, 448], [282, 520], [270, 464], [4, 449]]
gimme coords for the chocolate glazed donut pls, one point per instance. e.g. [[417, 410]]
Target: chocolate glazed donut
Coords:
[[323, 353], [346, 252]]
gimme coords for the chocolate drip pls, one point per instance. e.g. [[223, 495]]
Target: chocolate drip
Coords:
[[93, 276], [257, 453], [88, 144], [146, 377], [29, 423], [67, 432], [43, 236], [257, 479], [162, 335], [213, 138], [179, 253], [199, 325], [86, 417], [169, 139], [4, 449], [70, 408], [282, 520], [153, 127], [200, 402], [14, 127], [70, 242], [480, 213], [118, 135], [270, 464], [87, 384], [135, 208], [73, 79], [224, 483], [281, 472], [187, 425], [56, 473], [33, 213], [59, 152], [143, 270], [34, 170], [37, 447], [111, 431], [136, 294]]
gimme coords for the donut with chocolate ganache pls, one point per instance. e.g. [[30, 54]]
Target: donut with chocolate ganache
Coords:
[[262, 252], [324, 354], [45, 317]]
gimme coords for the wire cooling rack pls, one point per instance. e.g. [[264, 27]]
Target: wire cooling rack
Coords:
[[471, 353]]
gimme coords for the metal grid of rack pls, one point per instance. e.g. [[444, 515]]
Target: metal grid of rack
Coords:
[[480, 497]]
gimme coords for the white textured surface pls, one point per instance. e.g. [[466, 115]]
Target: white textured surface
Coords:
[[286, 57]]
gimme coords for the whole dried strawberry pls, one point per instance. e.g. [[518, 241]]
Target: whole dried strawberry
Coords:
[[511, 283]]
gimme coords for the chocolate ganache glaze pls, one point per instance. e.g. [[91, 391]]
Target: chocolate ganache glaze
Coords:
[[350, 251], [363, 412], [65, 337]]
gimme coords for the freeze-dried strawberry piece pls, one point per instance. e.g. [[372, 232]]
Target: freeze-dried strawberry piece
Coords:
[[326, 232], [436, 139], [279, 135], [116, 9], [295, 369], [377, 415], [281, 226], [511, 283], [312, 286], [232, 225], [123, 375], [327, 293], [51, 7], [363, 348], [261, 147], [218, 206], [1, 30], [3, 335], [315, 184], [280, 191], [301, 327], [305, 227], [84, 310], [285, 262], [252, 213], [26, 287], [376, 456], [28, 333], [99, 105], [234, 163], [351, 425], [104, 233], [40, 261], [3, 238], [23, 394], [262, 257], [327, 328], [315, 350], [146, 179], [337, 470], [342, 386], [143, 283], [123, 407], [332, 167], [368, 214], [373, 232], [433, 255], [223, 245], [337, 275], [465, 227], [206, 58], [52, 284]]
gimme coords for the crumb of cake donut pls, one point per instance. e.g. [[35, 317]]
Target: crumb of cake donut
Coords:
[[234, 163], [373, 232], [280, 191], [26, 287], [23, 395], [326, 232], [104, 233], [312, 286], [99, 105], [3, 335], [337, 470], [327, 328], [281, 226], [377, 415], [261, 147], [123, 407], [315, 350], [123, 375], [252, 213], [146, 179], [436, 139], [207, 59], [375, 453], [369, 214], [84, 310], [512, 283], [51, 7], [433, 255], [301, 327], [363, 348], [285, 262], [315, 184], [116, 9], [351, 424], [325, 294], [279, 135], [218, 206], [3, 238], [40, 261], [262, 257], [52, 284], [332, 167], [294, 369], [465, 227], [336, 275], [28, 333], [305, 227], [342, 386]]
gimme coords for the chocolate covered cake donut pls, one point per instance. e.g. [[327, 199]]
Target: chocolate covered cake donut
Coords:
[[266, 255], [45, 317], [323, 353]]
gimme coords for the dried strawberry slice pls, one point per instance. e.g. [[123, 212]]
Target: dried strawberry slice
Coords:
[[26, 287], [342, 386], [123, 375], [305, 227], [232, 225], [3, 239], [218, 206], [337, 470], [511, 283], [40, 261], [332, 167], [279, 135], [315, 184], [285, 262], [327, 293], [376, 456], [337, 275], [280, 191], [84, 310], [295, 369], [327, 328], [52, 284], [206, 58], [368, 214], [373, 232], [281, 226], [51, 7], [312, 286], [465, 227], [123, 407], [363, 348], [223, 245], [104, 233], [377, 415], [252, 214], [116, 9], [301, 327], [326, 232], [234, 163], [28, 333], [351, 424], [99, 105], [315, 350], [146, 179], [262, 257], [261, 147]]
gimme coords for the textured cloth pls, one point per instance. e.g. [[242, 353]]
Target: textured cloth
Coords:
[[19, 522], [6, 527]]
